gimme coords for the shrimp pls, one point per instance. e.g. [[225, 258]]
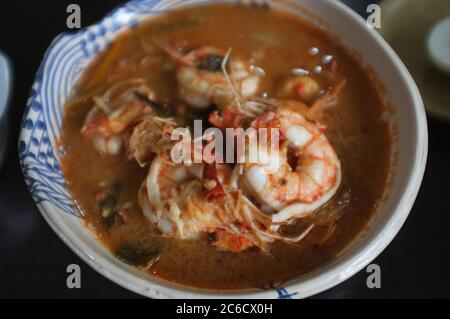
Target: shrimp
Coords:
[[292, 185], [172, 198], [303, 88], [113, 113], [151, 136], [202, 82], [187, 202], [97, 129]]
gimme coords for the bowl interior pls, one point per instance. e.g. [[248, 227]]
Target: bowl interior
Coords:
[[70, 54]]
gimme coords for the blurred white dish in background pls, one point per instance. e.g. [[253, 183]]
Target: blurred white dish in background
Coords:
[[406, 26], [5, 83], [439, 45], [5, 88]]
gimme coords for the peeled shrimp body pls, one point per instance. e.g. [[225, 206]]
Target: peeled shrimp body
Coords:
[[117, 110], [202, 81], [162, 194], [172, 198], [151, 136], [293, 192]]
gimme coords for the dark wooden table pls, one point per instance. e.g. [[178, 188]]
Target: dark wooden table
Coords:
[[33, 259]]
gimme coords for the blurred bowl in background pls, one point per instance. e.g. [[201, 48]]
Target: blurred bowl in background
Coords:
[[406, 25], [438, 45], [5, 92]]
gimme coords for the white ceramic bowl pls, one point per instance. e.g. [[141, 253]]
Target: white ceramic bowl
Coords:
[[69, 54]]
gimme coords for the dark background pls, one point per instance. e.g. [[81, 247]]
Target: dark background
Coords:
[[33, 259]]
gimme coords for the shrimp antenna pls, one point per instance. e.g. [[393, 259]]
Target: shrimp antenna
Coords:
[[227, 77]]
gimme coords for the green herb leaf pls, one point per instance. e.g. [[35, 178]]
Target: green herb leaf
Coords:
[[159, 109], [108, 205], [139, 255]]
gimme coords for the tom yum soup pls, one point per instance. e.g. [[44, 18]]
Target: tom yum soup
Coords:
[[226, 224]]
